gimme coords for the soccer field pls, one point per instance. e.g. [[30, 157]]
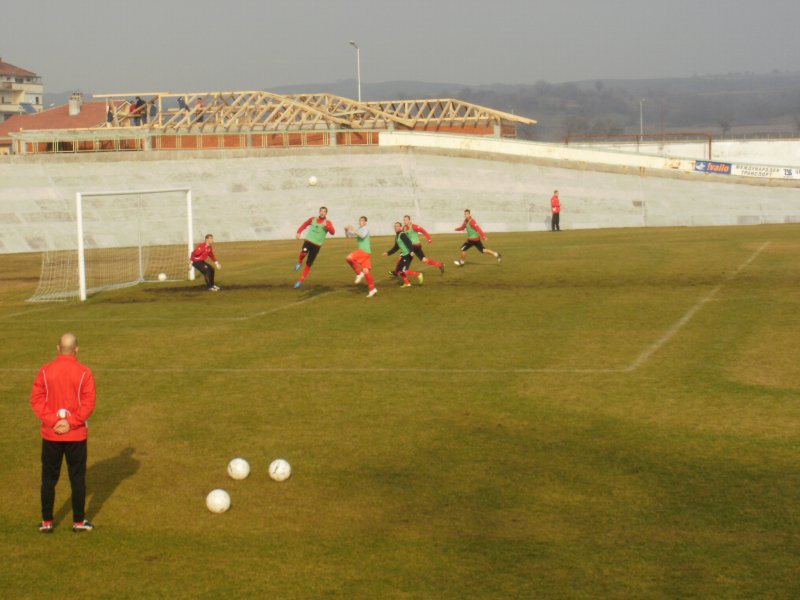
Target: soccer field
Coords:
[[607, 413]]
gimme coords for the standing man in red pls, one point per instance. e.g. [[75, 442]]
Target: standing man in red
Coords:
[[413, 230], [555, 207], [317, 230], [63, 398], [201, 254], [475, 238]]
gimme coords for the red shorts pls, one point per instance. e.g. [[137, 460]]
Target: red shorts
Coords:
[[361, 258]]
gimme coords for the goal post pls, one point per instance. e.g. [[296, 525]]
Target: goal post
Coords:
[[123, 237]]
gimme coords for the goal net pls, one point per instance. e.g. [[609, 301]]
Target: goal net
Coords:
[[122, 238]]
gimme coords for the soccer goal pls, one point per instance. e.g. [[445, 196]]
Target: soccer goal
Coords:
[[123, 238]]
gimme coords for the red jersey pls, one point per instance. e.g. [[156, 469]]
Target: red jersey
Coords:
[[64, 384], [555, 204], [203, 252]]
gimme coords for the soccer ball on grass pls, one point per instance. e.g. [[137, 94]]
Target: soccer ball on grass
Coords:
[[218, 501], [238, 468], [280, 470]]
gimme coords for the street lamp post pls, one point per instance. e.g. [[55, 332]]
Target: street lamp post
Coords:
[[641, 118], [358, 66]]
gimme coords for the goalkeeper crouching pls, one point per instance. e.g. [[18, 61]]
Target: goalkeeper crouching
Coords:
[[199, 258]]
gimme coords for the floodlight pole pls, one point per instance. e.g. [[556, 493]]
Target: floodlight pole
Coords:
[[358, 66], [641, 118]]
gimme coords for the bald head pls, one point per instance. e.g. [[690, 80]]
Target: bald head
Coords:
[[68, 344]]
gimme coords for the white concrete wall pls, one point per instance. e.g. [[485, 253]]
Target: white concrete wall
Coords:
[[780, 153], [265, 195]]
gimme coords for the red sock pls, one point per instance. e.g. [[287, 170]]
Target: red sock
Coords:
[[403, 275], [370, 280], [301, 257], [435, 263], [412, 273], [305, 272]]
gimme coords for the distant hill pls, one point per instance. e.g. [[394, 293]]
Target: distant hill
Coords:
[[731, 104]]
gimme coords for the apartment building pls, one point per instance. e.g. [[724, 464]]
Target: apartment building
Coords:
[[21, 91]]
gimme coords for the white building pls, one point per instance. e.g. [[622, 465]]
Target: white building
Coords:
[[21, 91]]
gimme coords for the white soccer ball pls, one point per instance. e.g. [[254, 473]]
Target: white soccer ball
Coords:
[[457, 263], [312, 181], [238, 468], [218, 501], [162, 276], [280, 470]]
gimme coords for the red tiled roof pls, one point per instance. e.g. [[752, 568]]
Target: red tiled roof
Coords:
[[7, 69], [93, 114]]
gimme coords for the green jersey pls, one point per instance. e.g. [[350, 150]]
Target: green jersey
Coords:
[[405, 249], [362, 235], [472, 233], [316, 232], [412, 235]]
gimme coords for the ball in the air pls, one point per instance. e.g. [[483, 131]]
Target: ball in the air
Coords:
[[238, 468], [312, 181], [162, 276], [280, 470], [218, 501]]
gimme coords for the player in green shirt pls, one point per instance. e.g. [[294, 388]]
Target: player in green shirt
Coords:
[[403, 244], [318, 229], [361, 259], [475, 238]]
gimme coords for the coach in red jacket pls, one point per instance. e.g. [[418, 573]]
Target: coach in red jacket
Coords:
[[63, 398]]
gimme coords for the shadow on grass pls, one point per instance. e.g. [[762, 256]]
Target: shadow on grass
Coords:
[[102, 479]]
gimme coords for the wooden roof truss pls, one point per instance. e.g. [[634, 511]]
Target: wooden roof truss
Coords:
[[265, 111]]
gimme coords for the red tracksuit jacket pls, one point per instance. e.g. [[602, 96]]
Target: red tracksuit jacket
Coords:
[[64, 383]]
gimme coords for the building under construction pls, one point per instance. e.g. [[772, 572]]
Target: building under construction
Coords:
[[252, 119]]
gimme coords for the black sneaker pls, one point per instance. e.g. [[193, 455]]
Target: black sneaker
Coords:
[[441, 269], [46, 527], [499, 257], [82, 526]]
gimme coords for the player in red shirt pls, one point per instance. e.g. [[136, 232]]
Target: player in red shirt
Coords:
[[318, 228], [63, 397], [201, 254], [555, 207], [413, 230], [475, 238]]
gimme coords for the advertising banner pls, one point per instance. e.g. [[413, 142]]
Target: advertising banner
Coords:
[[707, 166], [766, 171]]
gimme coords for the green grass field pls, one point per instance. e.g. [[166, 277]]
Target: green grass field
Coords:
[[606, 414]]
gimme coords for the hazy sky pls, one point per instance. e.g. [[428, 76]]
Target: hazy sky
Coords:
[[213, 45]]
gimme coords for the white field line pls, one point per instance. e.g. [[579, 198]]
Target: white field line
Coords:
[[672, 331], [635, 364]]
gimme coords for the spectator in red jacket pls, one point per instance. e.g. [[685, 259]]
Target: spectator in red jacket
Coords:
[[63, 398], [555, 207]]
